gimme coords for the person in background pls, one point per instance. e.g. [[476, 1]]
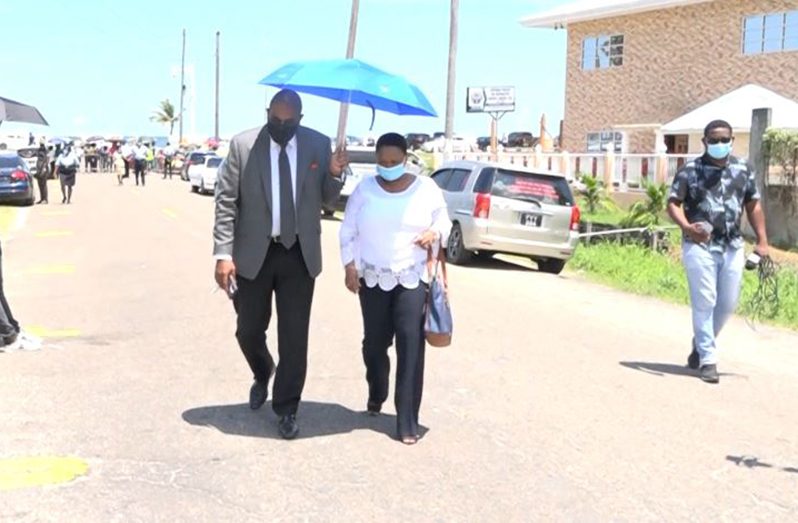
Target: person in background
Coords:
[[31, 139], [168, 155], [42, 172], [127, 154], [119, 165], [707, 199], [67, 166], [140, 153], [150, 157], [392, 222]]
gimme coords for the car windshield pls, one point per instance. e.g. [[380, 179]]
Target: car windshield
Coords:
[[9, 162], [529, 187], [197, 158], [27, 153], [213, 162]]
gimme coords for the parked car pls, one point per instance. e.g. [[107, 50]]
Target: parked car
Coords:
[[29, 154], [416, 140], [192, 159], [460, 144], [499, 209], [362, 164], [520, 140], [203, 177], [16, 180]]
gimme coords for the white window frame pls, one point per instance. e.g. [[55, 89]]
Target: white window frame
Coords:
[[761, 38], [596, 58]]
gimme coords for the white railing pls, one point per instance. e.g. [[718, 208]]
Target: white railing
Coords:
[[624, 171]]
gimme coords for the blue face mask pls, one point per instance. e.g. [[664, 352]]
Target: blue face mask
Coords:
[[719, 151], [391, 174]]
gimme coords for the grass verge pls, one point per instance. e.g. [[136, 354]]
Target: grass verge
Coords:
[[639, 270]]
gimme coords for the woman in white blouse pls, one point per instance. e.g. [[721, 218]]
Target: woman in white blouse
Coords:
[[391, 221]]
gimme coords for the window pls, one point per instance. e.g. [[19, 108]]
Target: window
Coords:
[[770, 33], [457, 181], [551, 190], [605, 141], [485, 181], [602, 52], [441, 178]]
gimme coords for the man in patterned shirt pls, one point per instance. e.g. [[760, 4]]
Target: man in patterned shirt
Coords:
[[707, 200]]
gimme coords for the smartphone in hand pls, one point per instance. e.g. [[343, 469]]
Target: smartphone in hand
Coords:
[[232, 287]]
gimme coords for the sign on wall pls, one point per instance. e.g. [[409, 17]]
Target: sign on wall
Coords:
[[490, 99]]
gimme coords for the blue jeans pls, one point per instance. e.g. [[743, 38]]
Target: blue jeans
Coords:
[[714, 279]]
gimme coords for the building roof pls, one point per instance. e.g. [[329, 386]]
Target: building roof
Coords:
[[586, 10], [736, 107]]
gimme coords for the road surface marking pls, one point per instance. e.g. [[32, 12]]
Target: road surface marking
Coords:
[[170, 213], [51, 269], [36, 471], [44, 332], [54, 234]]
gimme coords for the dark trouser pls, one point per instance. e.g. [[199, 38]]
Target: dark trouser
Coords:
[[400, 313], [127, 170], [9, 327], [42, 181], [285, 275], [140, 171], [167, 167]]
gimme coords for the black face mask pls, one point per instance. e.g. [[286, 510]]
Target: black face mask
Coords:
[[282, 132]]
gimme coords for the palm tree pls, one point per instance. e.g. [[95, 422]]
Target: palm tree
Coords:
[[594, 196], [165, 115], [647, 213]]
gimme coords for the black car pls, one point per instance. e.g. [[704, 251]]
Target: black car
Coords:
[[16, 181], [416, 140], [522, 139], [483, 143]]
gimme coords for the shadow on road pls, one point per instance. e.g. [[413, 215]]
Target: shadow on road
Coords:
[[497, 264], [315, 420], [753, 462], [661, 369]]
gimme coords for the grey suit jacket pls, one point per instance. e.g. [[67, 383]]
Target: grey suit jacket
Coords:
[[243, 224]]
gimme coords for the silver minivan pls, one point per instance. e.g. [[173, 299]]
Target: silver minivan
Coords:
[[507, 209]]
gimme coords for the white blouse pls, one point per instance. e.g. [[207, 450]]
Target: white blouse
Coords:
[[380, 227]]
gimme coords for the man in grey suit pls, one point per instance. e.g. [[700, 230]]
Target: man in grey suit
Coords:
[[267, 240]]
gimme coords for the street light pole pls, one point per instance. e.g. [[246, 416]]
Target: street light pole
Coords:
[[182, 88], [350, 52], [450, 84], [216, 115]]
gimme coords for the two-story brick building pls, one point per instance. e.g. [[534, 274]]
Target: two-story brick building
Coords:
[[636, 65]]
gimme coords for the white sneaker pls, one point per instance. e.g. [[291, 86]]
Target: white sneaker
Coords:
[[29, 342], [11, 347]]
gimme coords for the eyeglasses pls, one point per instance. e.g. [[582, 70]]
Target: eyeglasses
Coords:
[[715, 141]]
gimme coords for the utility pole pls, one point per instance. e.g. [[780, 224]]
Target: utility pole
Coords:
[[216, 115], [450, 84], [182, 88], [350, 53]]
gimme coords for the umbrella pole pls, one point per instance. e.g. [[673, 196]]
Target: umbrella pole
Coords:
[[350, 52]]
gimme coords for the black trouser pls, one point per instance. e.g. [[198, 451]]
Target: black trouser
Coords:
[[285, 275], [42, 181], [167, 167], [400, 313], [9, 327], [140, 167]]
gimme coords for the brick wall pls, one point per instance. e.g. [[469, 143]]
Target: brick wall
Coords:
[[675, 60]]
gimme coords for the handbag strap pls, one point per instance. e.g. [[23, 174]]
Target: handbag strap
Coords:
[[433, 265]]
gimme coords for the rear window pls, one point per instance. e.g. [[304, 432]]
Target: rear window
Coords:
[[27, 153], [214, 162], [197, 159], [531, 187], [7, 162]]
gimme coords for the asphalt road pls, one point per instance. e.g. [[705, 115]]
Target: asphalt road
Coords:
[[559, 400]]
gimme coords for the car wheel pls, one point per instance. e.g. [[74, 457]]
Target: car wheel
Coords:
[[194, 188], [550, 265], [328, 213], [455, 250]]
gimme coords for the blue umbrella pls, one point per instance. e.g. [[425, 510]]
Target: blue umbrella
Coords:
[[57, 141], [353, 81]]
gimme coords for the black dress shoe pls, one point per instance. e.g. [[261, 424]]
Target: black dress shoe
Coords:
[[258, 394], [288, 427], [694, 360], [709, 374], [373, 408]]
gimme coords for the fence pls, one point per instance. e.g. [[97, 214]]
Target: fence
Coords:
[[621, 171]]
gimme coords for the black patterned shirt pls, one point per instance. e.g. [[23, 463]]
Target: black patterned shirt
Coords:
[[716, 195]]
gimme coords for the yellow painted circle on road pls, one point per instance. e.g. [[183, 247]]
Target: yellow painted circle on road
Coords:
[[25, 472]]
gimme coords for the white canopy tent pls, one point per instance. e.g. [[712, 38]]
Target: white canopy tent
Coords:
[[736, 107]]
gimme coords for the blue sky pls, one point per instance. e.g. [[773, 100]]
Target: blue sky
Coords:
[[102, 66]]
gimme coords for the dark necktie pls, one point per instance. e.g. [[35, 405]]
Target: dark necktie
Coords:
[[287, 213]]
